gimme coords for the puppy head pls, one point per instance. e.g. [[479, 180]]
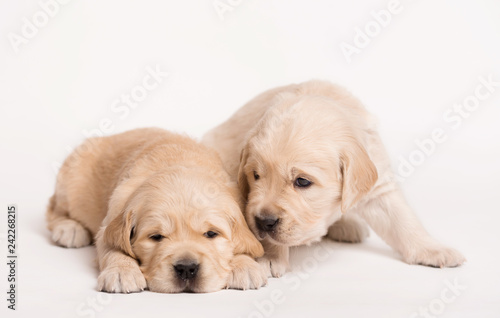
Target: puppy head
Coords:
[[301, 168], [183, 227]]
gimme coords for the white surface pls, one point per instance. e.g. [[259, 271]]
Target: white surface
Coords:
[[65, 79]]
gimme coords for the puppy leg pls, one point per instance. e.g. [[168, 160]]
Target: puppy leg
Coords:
[[393, 220], [120, 273], [246, 273], [66, 232], [275, 260], [348, 229]]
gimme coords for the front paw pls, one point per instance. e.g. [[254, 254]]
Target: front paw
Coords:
[[121, 279], [435, 256], [273, 267], [246, 274]]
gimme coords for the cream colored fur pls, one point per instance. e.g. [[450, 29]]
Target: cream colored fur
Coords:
[[121, 191], [320, 132]]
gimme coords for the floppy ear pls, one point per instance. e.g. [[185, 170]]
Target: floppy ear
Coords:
[[119, 233], [244, 241], [242, 177], [359, 174]]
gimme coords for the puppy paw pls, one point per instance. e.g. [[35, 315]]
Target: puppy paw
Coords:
[[121, 279], [246, 274], [70, 233], [273, 267], [348, 230], [436, 256]]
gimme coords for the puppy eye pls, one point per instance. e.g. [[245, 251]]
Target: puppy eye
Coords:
[[157, 237], [256, 176], [302, 183], [211, 234]]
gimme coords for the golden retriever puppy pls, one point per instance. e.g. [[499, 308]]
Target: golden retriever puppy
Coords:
[[162, 211], [310, 163]]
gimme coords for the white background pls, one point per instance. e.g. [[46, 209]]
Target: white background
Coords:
[[65, 78]]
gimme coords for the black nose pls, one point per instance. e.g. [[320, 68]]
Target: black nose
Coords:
[[186, 269], [267, 223]]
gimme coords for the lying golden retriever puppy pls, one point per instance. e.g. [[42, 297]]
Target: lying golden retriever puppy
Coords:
[[310, 162], [163, 212]]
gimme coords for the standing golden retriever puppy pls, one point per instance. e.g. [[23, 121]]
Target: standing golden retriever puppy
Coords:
[[163, 212], [310, 162]]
